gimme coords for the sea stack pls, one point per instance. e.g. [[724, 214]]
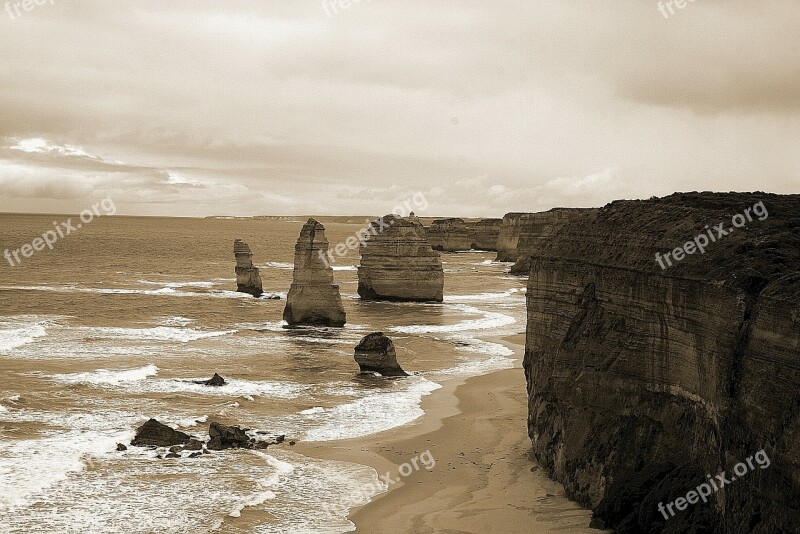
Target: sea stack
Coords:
[[450, 235], [313, 298], [486, 233], [248, 280], [397, 263], [375, 354]]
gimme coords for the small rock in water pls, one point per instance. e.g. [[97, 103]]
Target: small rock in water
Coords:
[[121, 447], [227, 437], [173, 455], [158, 434], [176, 448], [375, 354], [214, 381], [193, 445]]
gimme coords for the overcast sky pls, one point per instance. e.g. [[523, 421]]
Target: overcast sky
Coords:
[[189, 107]]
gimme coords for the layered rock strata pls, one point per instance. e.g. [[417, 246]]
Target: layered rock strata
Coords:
[[399, 264], [248, 279], [508, 236], [450, 235], [643, 380], [375, 354], [485, 234], [536, 228], [313, 298]]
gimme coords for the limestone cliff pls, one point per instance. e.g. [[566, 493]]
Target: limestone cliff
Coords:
[[536, 228], [313, 298], [449, 235], [642, 380], [399, 264], [486, 233], [248, 280], [508, 236]]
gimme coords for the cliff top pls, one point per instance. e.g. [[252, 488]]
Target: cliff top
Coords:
[[761, 251]]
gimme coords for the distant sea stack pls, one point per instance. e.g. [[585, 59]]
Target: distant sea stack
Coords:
[[537, 228], [486, 234], [248, 280], [397, 263], [313, 298], [508, 236], [642, 380], [375, 354], [450, 235]]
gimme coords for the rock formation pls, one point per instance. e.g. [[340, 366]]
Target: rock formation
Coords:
[[485, 234], [226, 437], [375, 354], [398, 264], [642, 380], [450, 235], [508, 236], [247, 278], [214, 381], [537, 228], [313, 298], [153, 433]]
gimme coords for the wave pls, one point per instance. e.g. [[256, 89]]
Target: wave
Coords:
[[279, 265], [106, 377], [485, 297], [21, 330], [374, 412], [489, 321], [164, 291], [158, 333], [177, 284]]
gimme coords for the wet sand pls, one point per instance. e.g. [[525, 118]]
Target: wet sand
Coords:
[[484, 479]]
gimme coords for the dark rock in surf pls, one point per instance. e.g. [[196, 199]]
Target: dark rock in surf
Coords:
[[159, 435], [227, 437], [375, 354], [121, 447], [215, 381], [193, 445]]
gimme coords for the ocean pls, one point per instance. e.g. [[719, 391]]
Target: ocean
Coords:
[[109, 328]]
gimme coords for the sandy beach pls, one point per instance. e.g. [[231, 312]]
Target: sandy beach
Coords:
[[484, 479]]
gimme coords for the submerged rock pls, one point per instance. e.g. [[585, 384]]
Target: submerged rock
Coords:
[[313, 298], [214, 381], [153, 433], [375, 354], [248, 280], [398, 263]]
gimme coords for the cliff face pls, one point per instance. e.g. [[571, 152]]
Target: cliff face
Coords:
[[313, 298], [508, 236], [399, 264], [536, 228], [486, 233], [248, 280], [642, 380], [449, 235]]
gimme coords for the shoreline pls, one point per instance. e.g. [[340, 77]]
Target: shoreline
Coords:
[[484, 479]]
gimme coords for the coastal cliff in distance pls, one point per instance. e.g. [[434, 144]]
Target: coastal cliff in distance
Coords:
[[454, 234], [643, 380]]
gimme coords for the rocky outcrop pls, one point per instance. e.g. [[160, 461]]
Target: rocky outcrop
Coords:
[[398, 264], [486, 234], [508, 236], [313, 298], [214, 381], [248, 280], [536, 228], [375, 354], [156, 434], [450, 235], [642, 380]]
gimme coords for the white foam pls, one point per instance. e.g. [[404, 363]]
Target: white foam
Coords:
[[489, 321], [484, 297], [312, 411], [19, 331], [280, 265], [3, 409], [232, 388], [189, 422], [375, 412], [176, 321], [102, 377], [158, 333], [178, 284], [345, 268]]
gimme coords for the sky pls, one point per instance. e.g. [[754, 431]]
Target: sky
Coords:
[[297, 107]]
